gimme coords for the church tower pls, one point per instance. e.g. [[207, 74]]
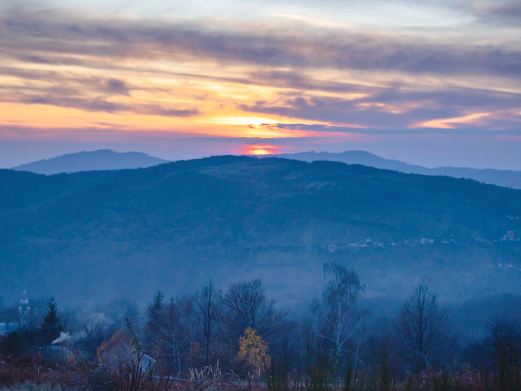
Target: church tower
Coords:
[[24, 310]]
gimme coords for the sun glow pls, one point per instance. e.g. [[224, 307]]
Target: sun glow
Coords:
[[245, 121], [260, 150]]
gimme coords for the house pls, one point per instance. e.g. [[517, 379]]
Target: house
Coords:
[[120, 351]]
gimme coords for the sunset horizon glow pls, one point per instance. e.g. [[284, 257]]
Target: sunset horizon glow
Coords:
[[428, 82]]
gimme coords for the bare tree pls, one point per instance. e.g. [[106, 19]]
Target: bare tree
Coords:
[[247, 306], [209, 307], [130, 369], [422, 329], [169, 332], [339, 320]]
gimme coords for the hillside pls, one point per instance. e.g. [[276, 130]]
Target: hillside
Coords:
[[105, 159], [102, 159], [506, 178], [128, 233]]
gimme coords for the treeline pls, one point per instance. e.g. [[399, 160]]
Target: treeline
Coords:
[[238, 338]]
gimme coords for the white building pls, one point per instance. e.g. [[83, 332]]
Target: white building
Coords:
[[24, 311]]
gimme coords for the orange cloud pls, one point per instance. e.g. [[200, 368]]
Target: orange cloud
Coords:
[[452, 123]]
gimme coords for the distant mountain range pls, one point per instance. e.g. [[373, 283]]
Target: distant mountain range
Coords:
[[507, 178], [105, 234], [111, 160], [103, 159]]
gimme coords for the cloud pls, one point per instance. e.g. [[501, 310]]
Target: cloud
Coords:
[[108, 132], [102, 105], [506, 12], [347, 77], [340, 111], [97, 104], [426, 129], [35, 33], [395, 107], [451, 123], [115, 87], [167, 111], [297, 80]]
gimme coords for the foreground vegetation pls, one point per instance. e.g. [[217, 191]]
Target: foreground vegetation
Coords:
[[238, 339]]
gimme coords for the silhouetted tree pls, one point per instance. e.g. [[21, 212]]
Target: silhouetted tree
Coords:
[[422, 330], [285, 350], [338, 318], [209, 307], [505, 347], [318, 362], [51, 326], [14, 343], [153, 322], [246, 306], [169, 332], [385, 368]]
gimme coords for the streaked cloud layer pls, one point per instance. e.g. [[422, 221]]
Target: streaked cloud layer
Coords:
[[298, 74]]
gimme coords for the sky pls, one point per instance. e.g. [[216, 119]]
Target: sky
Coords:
[[431, 82]]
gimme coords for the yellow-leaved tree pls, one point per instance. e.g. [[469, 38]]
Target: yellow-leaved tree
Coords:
[[253, 351]]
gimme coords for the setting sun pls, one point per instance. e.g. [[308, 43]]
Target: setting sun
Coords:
[[261, 150]]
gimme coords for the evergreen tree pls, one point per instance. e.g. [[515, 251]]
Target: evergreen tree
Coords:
[[153, 322], [51, 326]]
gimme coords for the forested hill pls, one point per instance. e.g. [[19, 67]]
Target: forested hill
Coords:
[[102, 159], [130, 232], [507, 178]]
